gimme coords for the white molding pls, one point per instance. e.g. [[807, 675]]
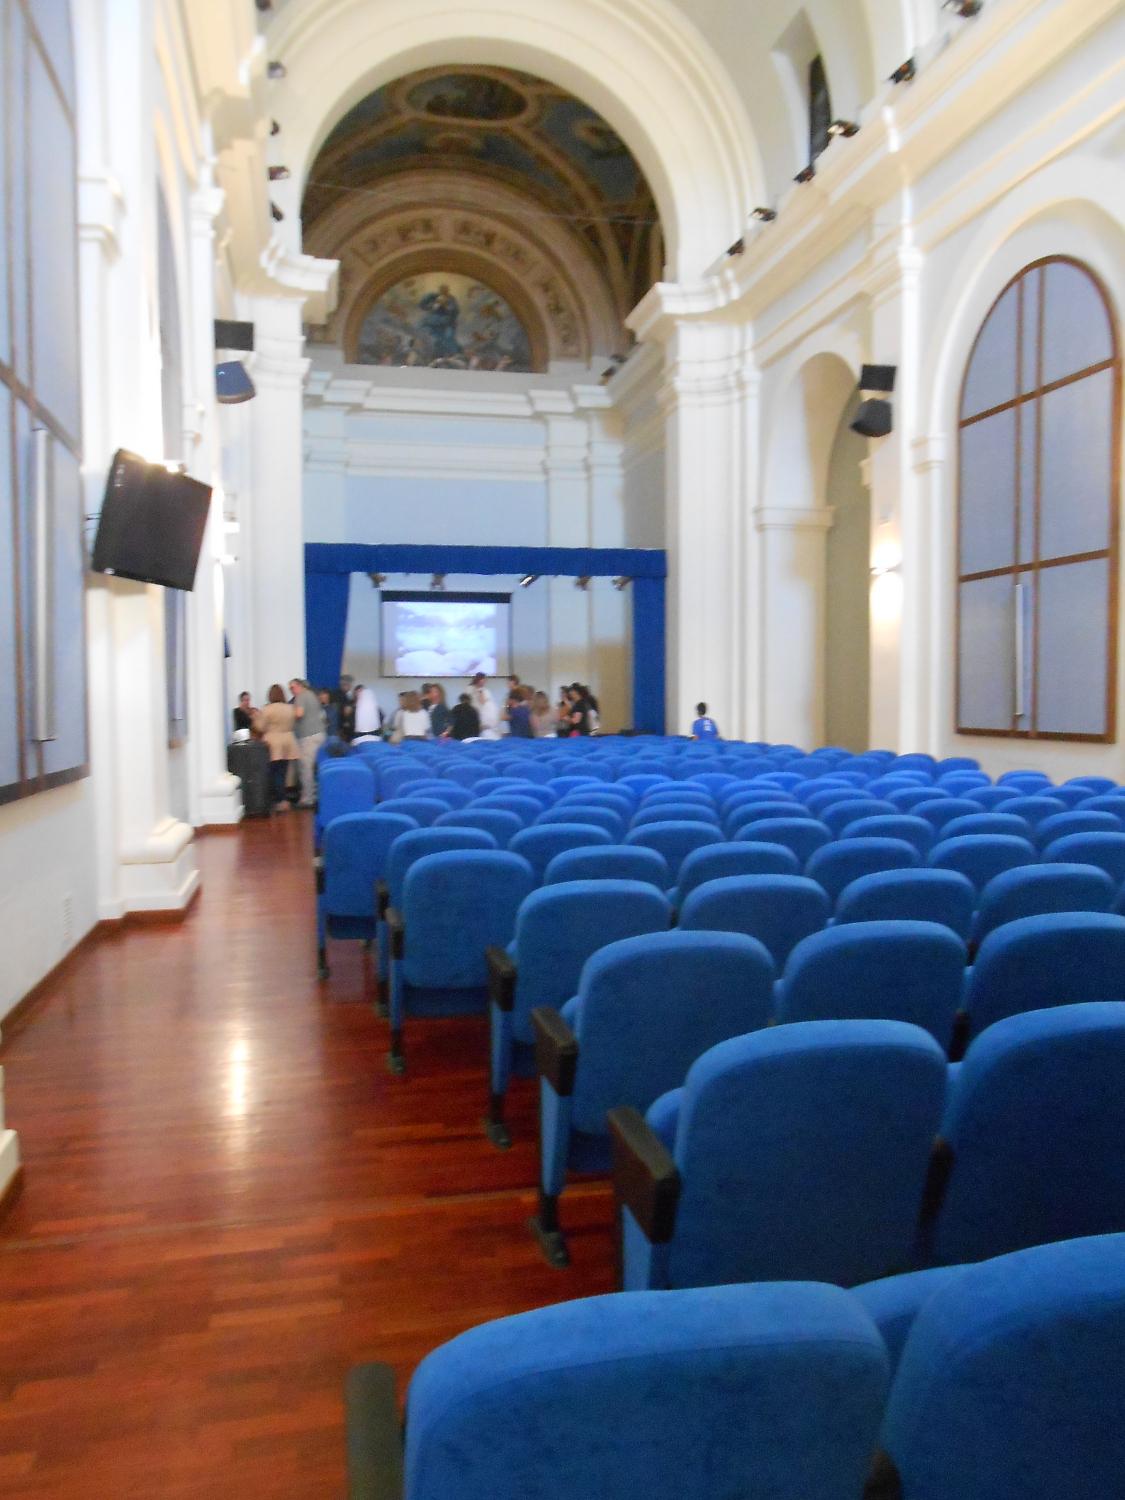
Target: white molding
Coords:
[[794, 517], [101, 211], [458, 394], [513, 463]]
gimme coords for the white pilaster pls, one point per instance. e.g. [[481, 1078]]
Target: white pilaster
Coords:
[[565, 460], [792, 612], [610, 608]]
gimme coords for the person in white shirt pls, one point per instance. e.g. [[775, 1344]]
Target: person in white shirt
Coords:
[[368, 717], [485, 705], [412, 722]]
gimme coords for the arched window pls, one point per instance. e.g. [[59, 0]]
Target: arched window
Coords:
[[1038, 514]]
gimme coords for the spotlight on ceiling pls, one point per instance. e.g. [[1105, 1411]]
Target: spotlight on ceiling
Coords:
[[904, 72], [621, 583], [377, 580], [764, 215], [276, 213], [275, 128], [806, 174], [264, 5], [583, 582], [438, 581], [843, 127], [233, 383], [528, 579], [736, 249], [275, 71], [966, 9], [278, 174]]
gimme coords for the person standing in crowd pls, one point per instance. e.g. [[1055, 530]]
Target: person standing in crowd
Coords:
[[244, 713], [412, 720], [331, 713], [465, 723], [309, 730], [579, 715], [704, 728], [367, 716], [275, 724], [344, 698], [440, 714], [518, 713], [486, 707], [542, 717]]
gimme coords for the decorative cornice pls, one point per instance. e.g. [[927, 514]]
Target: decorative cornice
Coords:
[[794, 517], [929, 452], [101, 211], [304, 277]]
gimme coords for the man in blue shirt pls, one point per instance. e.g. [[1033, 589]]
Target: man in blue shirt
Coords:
[[704, 728]]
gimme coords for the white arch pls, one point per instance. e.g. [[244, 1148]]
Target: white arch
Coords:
[[811, 389], [645, 68]]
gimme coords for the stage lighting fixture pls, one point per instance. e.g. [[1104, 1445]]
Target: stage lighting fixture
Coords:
[[764, 215], [276, 213], [264, 5], [904, 72], [275, 128], [377, 580], [583, 582], [275, 71], [806, 174], [233, 383], [966, 9], [736, 249], [438, 582], [843, 127], [621, 583], [528, 579], [278, 174]]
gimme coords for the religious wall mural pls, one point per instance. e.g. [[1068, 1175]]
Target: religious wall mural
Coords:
[[441, 320]]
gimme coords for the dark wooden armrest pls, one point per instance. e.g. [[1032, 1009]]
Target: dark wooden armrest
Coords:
[[937, 1180], [374, 1434], [501, 977], [645, 1178], [397, 931], [556, 1049], [382, 897], [318, 873], [883, 1483]]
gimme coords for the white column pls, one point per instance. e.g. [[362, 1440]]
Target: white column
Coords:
[[216, 795], [700, 398], [146, 861], [568, 628], [610, 608], [792, 606], [272, 513], [746, 717]]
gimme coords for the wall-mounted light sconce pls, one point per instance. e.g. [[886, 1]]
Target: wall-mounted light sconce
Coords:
[[736, 249], [233, 383], [583, 582], [904, 72], [528, 579], [966, 9], [763, 215], [621, 583], [275, 71], [377, 580], [806, 174], [276, 213], [275, 128], [843, 127], [437, 582], [278, 174]]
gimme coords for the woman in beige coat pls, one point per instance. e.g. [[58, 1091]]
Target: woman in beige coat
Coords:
[[275, 725]]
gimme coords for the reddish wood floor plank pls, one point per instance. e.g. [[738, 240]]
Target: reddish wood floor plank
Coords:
[[228, 1201]]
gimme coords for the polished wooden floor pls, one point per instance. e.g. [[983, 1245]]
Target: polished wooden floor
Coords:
[[228, 1201]]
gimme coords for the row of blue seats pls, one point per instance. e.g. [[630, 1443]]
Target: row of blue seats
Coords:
[[994, 1381]]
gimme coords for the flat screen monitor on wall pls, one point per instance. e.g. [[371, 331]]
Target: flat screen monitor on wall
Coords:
[[151, 524], [430, 634]]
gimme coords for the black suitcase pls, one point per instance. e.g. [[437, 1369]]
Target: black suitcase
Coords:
[[250, 762]]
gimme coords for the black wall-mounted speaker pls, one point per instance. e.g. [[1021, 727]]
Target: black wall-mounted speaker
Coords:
[[873, 419], [877, 377]]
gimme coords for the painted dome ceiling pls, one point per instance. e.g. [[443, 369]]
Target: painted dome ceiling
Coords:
[[497, 176]]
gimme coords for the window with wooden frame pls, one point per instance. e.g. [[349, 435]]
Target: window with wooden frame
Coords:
[[1038, 513]]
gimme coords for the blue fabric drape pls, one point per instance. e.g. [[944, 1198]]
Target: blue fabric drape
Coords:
[[326, 625], [648, 655]]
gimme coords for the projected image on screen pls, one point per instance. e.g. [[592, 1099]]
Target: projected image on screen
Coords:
[[430, 635]]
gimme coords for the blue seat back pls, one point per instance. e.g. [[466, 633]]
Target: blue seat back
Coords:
[[915, 831], [674, 840], [737, 814], [540, 845], [410, 847], [675, 812], [837, 865], [1035, 1123], [747, 1391], [991, 798], [801, 836], [1035, 962], [907, 798], [742, 858], [876, 971], [910, 896], [796, 1128], [647, 1007], [608, 862], [1010, 1382], [938, 811], [639, 782], [560, 926], [611, 820], [778, 910], [344, 786], [395, 777], [1106, 850], [456, 905], [1060, 825], [424, 810], [526, 809], [987, 822], [357, 848], [502, 825], [1033, 809], [982, 856], [840, 814], [1034, 890]]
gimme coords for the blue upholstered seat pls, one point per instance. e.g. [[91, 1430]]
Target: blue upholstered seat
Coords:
[[344, 786], [1061, 825], [1034, 807], [540, 845], [675, 840], [879, 971], [1034, 1129], [1057, 959], [1106, 850], [357, 847], [646, 1008], [502, 825], [987, 822], [454, 907], [612, 820], [837, 865], [739, 858], [526, 809], [801, 836], [938, 811], [840, 814], [802, 1152], [749, 1391], [907, 798], [608, 862], [778, 910], [991, 798], [424, 810], [982, 856], [674, 812], [1009, 1385], [1034, 890], [910, 895], [395, 777], [915, 831]]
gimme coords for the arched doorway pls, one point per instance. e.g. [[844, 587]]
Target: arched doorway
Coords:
[[847, 659]]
